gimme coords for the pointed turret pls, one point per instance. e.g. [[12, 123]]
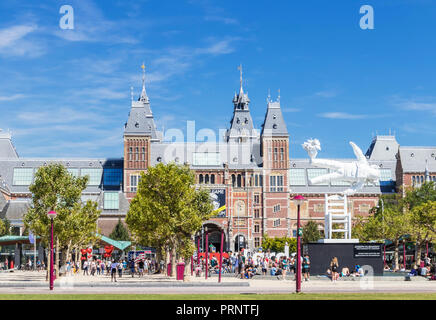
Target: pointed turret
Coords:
[[140, 121], [274, 124], [241, 125]]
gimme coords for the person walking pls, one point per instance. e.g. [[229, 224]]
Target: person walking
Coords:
[[132, 267], [120, 270], [141, 268], [334, 267], [85, 268], [113, 268], [306, 267]]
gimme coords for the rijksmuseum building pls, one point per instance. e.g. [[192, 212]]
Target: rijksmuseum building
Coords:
[[249, 170]]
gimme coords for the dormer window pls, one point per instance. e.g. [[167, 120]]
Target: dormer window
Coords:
[[246, 121], [137, 125], [238, 121], [274, 126]]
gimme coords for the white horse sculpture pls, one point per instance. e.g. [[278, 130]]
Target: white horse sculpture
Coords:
[[356, 172]]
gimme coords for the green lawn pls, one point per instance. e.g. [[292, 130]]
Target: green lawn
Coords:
[[302, 296]]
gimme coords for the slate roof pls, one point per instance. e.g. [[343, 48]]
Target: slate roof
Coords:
[[140, 120], [413, 159], [274, 124], [383, 148], [7, 169], [235, 155], [14, 210], [7, 149]]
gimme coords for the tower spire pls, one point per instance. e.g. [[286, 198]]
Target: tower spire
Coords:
[[143, 93], [240, 79]]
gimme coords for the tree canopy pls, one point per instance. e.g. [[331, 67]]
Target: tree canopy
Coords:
[[54, 188], [311, 232], [278, 244], [167, 210], [120, 232]]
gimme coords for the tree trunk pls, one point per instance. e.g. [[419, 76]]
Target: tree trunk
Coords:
[[418, 252], [167, 260], [397, 242], [173, 261], [47, 278], [187, 274]]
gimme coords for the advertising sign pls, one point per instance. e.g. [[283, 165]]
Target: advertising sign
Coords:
[[218, 197]]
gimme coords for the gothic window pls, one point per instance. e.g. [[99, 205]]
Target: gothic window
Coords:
[[133, 183]]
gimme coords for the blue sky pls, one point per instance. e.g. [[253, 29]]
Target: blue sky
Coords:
[[66, 93]]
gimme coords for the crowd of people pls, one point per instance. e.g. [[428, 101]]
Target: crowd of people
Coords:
[[247, 267]]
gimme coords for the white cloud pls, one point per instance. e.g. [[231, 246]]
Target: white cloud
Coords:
[[12, 98], [326, 93], [419, 106], [342, 115], [221, 19], [12, 41]]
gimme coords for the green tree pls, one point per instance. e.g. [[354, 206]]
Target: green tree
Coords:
[[5, 227], [277, 244], [311, 232], [387, 221], [420, 204], [54, 188], [120, 232], [167, 211]]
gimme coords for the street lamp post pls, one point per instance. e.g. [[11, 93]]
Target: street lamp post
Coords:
[[52, 214], [221, 255], [298, 200], [207, 250]]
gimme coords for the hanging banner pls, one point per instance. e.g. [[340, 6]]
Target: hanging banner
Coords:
[[218, 197]]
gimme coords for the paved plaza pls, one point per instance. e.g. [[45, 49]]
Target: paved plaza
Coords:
[[34, 282]]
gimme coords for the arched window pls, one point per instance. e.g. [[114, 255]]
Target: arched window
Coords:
[[200, 178], [233, 180], [130, 153], [136, 153], [413, 180], [422, 179], [212, 179], [206, 179], [239, 181], [143, 153]]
